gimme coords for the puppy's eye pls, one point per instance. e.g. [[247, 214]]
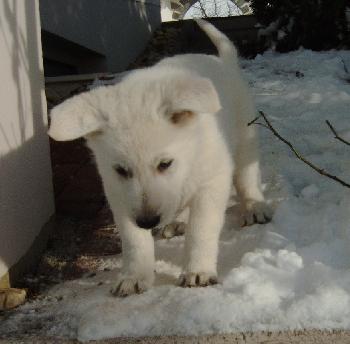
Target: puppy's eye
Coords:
[[164, 165], [123, 172]]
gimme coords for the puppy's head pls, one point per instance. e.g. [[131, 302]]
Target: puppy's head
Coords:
[[145, 133]]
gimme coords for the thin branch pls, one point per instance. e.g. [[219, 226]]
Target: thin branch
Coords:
[[215, 9], [296, 153], [254, 121], [346, 77], [202, 9], [346, 70], [336, 136]]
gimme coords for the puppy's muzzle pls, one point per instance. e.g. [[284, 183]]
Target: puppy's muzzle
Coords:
[[148, 221]]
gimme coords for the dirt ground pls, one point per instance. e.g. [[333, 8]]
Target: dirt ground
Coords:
[[285, 337]]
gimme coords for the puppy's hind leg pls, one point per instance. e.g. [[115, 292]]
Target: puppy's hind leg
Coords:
[[175, 228], [172, 230], [247, 179]]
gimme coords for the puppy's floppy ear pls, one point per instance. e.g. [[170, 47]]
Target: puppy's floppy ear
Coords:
[[191, 95], [74, 118]]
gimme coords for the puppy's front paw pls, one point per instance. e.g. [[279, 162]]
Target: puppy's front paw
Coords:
[[255, 212], [173, 229], [129, 286], [199, 279]]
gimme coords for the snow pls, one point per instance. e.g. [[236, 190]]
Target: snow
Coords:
[[292, 273]]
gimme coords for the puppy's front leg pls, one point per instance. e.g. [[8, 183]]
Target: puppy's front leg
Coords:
[[138, 259], [207, 211]]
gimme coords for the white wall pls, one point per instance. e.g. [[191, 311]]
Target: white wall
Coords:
[[26, 195]]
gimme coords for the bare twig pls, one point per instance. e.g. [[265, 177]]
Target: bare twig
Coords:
[[336, 136], [346, 70], [216, 9], [296, 153], [202, 9], [346, 76]]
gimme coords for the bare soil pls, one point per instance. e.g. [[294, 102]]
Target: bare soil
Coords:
[[285, 337]]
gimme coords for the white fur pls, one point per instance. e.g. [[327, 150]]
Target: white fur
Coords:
[[129, 124]]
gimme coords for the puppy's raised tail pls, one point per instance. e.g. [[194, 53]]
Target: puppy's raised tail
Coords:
[[227, 51]]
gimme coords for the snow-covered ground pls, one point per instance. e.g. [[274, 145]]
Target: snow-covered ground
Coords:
[[292, 273]]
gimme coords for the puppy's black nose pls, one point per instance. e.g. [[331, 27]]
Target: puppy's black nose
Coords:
[[148, 222]]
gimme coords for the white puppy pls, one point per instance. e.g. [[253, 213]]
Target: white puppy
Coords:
[[163, 139]]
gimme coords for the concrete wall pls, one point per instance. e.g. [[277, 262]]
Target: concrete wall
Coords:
[[116, 29], [26, 196]]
